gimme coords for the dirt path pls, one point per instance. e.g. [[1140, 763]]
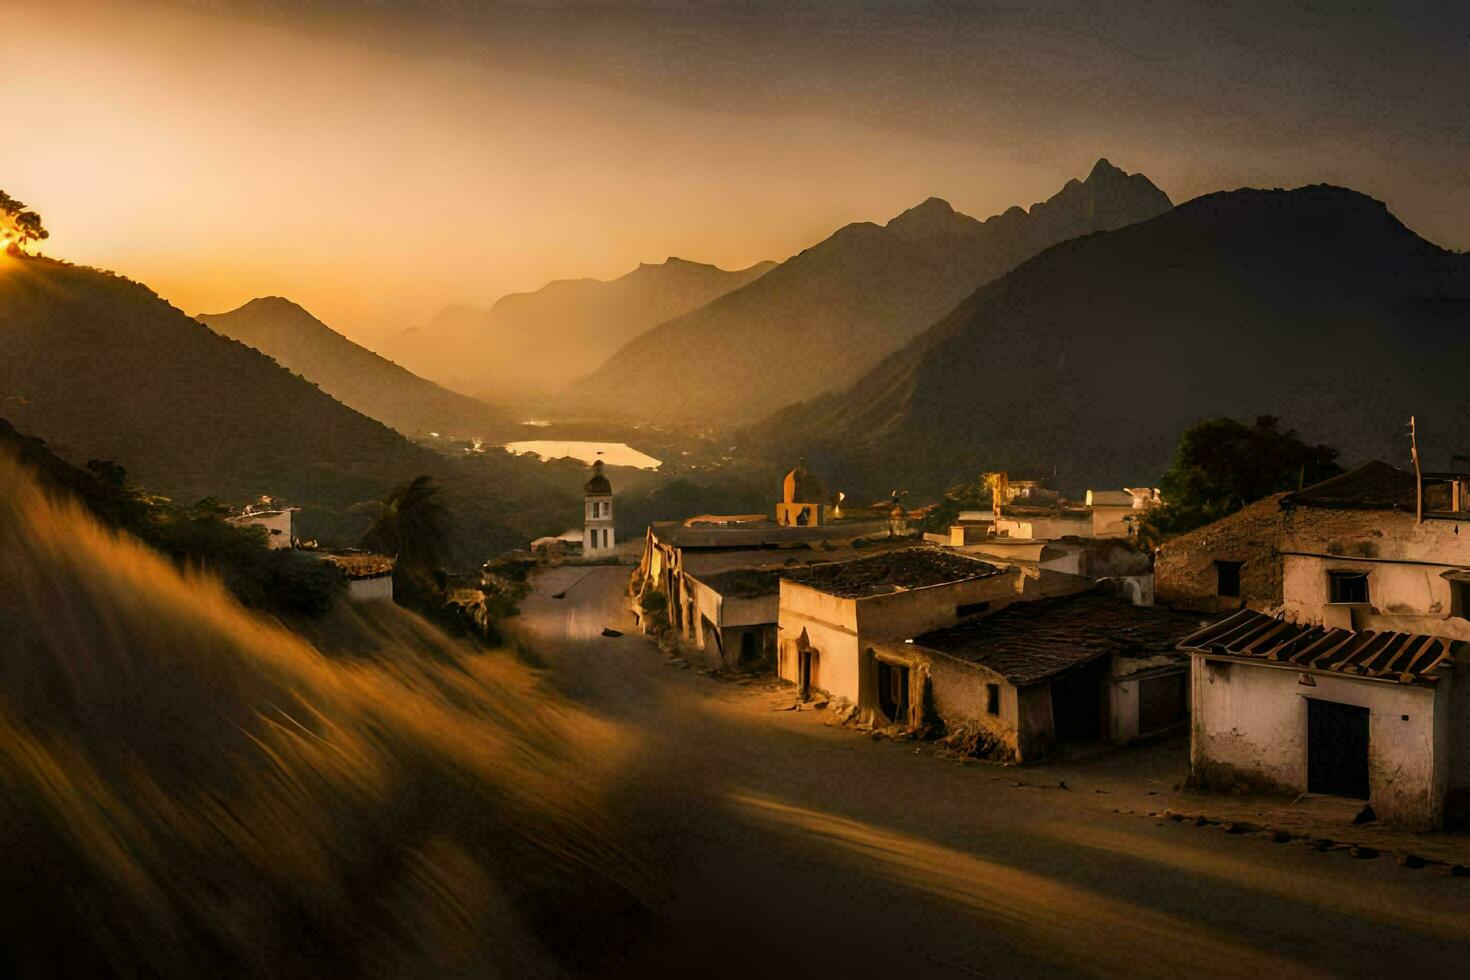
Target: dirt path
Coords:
[[775, 843]]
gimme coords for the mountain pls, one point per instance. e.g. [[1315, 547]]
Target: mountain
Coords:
[[354, 375], [534, 343], [101, 367], [825, 316], [1315, 305]]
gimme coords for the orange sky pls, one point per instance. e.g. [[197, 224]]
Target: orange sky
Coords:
[[220, 159]]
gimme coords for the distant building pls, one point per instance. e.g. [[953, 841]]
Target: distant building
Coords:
[[278, 521], [598, 539], [803, 499], [830, 616], [560, 545], [1088, 667], [369, 576]]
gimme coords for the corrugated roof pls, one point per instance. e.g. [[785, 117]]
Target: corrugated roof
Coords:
[[1028, 642], [1401, 657]]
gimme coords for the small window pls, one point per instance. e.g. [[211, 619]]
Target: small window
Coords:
[[1460, 599], [1227, 579], [971, 609], [992, 699], [1348, 586]]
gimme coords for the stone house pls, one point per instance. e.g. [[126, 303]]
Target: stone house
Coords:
[[1350, 551], [830, 616], [1089, 667]]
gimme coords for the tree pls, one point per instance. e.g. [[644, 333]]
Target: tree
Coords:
[[414, 525], [1221, 465], [18, 226], [979, 495]]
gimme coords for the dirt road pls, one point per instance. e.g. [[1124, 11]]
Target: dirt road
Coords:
[[776, 844]]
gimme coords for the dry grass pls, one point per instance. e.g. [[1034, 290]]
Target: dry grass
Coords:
[[186, 787]]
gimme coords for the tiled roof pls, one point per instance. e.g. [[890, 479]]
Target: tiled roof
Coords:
[[895, 571], [1028, 642], [1402, 657], [1373, 486]]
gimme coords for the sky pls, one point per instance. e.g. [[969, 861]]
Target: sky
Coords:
[[376, 160]]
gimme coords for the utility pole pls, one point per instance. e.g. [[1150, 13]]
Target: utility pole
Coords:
[[1418, 473]]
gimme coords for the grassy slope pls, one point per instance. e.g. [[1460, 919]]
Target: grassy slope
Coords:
[[186, 788]]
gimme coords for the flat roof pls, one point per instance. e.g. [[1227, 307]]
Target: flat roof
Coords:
[[890, 572], [764, 534], [743, 583], [1029, 642]]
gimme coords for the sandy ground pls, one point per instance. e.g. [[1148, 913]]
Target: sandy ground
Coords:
[[772, 842]]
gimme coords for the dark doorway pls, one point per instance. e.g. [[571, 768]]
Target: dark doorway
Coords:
[[1162, 702], [893, 691], [1076, 703], [747, 647], [809, 670], [1227, 579], [1337, 749]]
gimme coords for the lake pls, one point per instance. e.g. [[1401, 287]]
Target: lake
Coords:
[[611, 453]]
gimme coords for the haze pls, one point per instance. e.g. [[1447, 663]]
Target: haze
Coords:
[[374, 174]]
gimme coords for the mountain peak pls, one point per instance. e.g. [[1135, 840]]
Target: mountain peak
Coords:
[[1103, 170], [933, 215]]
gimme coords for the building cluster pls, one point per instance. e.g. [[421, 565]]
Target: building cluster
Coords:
[[1307, 642], [914, 630], [1339, 665]]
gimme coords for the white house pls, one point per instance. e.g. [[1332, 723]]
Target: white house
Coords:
[[830, 616]]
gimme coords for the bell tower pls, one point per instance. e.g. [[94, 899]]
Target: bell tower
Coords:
[[597, 520]]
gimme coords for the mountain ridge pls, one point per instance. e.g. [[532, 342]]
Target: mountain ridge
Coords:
[[357, 377], [833, 310], [530, 343], [1314, 304]]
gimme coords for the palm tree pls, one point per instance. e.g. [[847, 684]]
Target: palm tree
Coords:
[[414, 525]]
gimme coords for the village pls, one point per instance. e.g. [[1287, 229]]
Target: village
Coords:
[[1306, 648]]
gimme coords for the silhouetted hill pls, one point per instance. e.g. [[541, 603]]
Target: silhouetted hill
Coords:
[[101, 367], [825, 316], [354, 375], [538, 342], [1313, 304]]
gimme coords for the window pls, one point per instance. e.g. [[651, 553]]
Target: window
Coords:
[[992, 699], [1347, 586], [971, 609], [1227, 579], [1460, 599]]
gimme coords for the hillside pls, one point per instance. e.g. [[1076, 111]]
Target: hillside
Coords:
[[825, 316], [101, 367], [529, 344], [1087, 362], [354, 375], [218, 793]]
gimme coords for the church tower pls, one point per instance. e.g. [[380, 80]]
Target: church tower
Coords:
[[597, 523]]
